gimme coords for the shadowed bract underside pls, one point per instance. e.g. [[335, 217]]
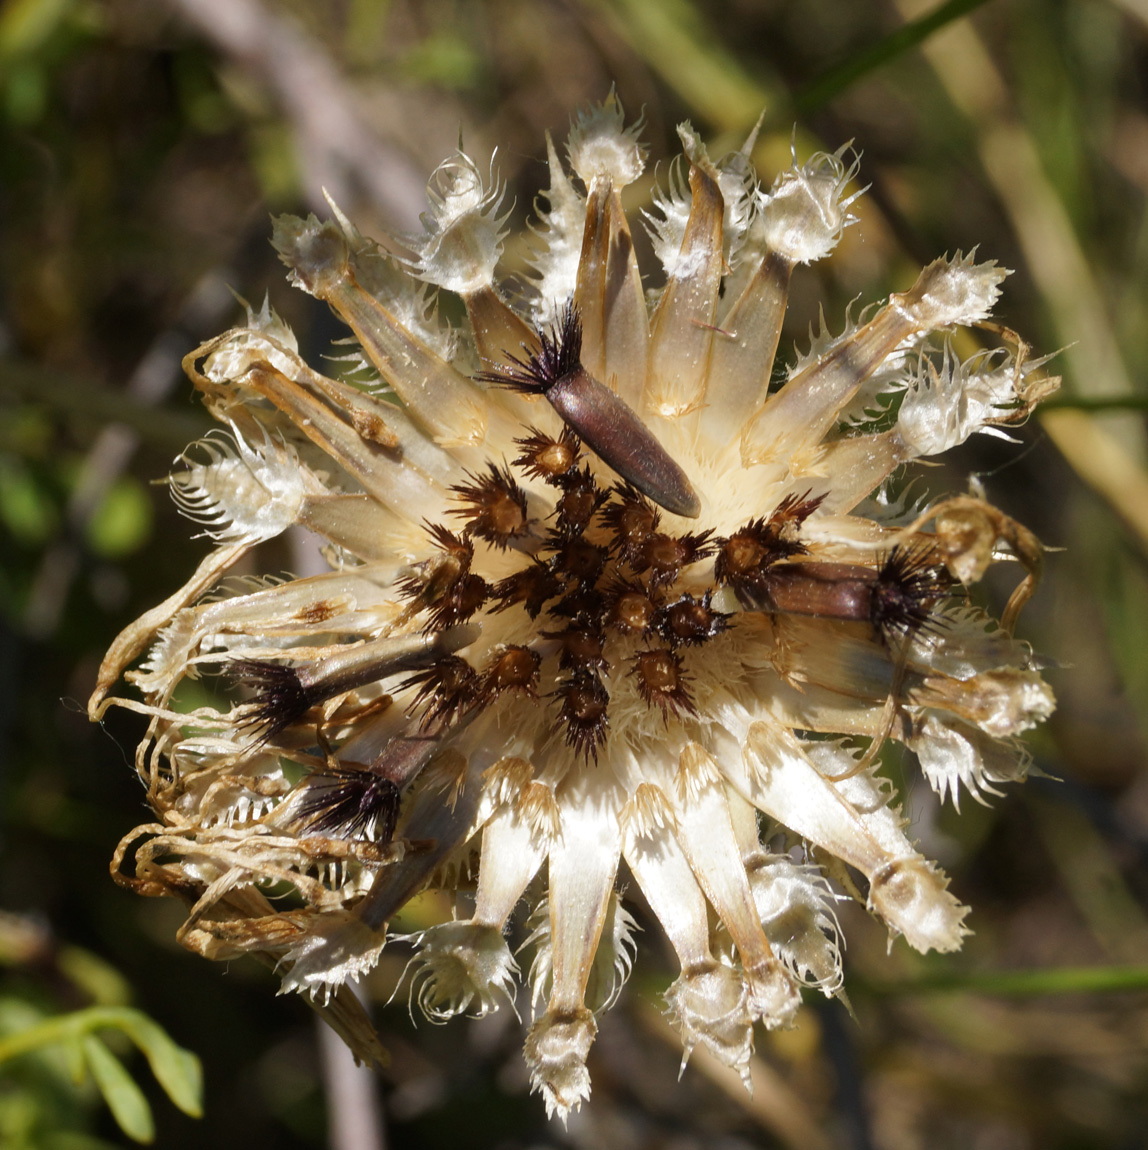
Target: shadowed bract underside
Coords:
[[603, 610]]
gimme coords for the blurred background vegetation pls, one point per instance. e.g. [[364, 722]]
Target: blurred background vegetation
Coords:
[[143, 145]]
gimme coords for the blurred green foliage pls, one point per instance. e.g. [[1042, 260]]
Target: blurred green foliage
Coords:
[[47, 1046], [142, 148]]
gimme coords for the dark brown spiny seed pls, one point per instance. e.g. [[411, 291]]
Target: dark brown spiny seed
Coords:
[[584, 603], [579, 561], [661, 681], [461, 600], [744, 557], [496, 506], [544, 457], [581, 497], [447, 689], [664, 556], [790, 515], [690, 622], [581, 648], [444, 584], [630, 608], [457, 547], [632, 520], [512, 669], [584, 711], [431, 579], [531, 587], [741, 556]]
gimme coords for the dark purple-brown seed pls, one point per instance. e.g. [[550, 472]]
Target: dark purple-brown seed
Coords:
[[496, 507], [513, 669], [611, 428], [661, 682], [547, 458], [829, 590], [584, 711], [284, 694], [602, 420]]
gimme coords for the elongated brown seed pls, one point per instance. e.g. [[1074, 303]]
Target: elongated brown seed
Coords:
[[284, 693], [604, 422], [829, 590], [609, 427], [897, 599]]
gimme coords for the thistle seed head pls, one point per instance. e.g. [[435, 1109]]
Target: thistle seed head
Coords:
[[591, 613]]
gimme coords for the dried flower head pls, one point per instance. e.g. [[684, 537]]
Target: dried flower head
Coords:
[[600, 602]]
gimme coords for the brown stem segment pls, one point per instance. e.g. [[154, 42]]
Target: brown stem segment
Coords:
[[828, 590]]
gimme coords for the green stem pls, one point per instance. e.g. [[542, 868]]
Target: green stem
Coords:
[[1063, 980], [830, 84], [1097, 403], [76, 396], [70, 1026]]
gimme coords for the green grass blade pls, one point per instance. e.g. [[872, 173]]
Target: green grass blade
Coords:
[[1098, 402], [124, 1098], [830, 84], [1022, 983], [177, 1070]]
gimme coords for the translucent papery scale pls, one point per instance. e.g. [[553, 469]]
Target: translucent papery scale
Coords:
[[526, 680], [464, 232], [558, 250], [239, 491]]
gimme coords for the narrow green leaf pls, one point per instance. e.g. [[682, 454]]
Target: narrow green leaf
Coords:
[[836, 80], [73, 1048], [1098, 402], [177, 1070], [1062, 980], [124, 1098], [94, 976]]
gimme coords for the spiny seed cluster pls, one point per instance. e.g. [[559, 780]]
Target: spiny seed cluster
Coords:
[[605, 569], [569, 652]]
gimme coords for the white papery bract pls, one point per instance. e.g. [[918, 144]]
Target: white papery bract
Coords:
[[532, 677]]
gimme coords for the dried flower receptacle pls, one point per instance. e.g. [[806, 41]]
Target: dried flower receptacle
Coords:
[[599, 601]]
